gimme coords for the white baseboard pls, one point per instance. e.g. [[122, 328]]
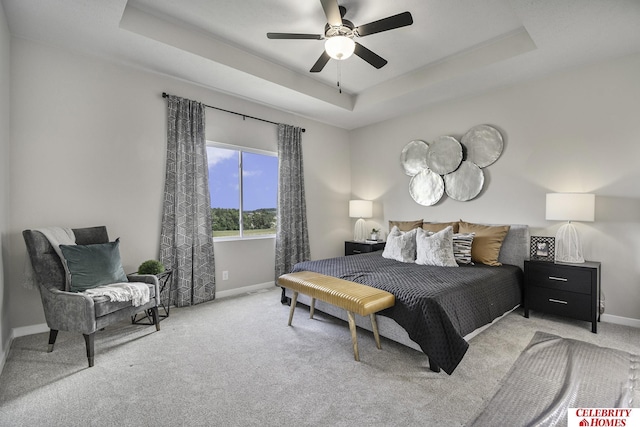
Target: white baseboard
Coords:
[[618, 320], [244, 289]]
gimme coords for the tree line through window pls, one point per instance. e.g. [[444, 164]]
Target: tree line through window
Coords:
[[243, 185]]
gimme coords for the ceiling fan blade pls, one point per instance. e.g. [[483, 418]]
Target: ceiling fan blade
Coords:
[[320, 63], [385, 24], [332, 11], [294, 36], [372, 58]]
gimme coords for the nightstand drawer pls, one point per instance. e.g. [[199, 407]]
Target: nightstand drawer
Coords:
[[562, 303], [355, 248], [555, 276]]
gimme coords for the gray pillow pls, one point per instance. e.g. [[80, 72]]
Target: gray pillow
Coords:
[[435, 248], [93, 265], [400, 245]]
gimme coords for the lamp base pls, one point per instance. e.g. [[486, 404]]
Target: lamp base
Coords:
[[360, 231], [568, 246]]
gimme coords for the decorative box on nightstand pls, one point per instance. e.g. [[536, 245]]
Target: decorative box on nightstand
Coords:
[[352, 247], [571, 290]]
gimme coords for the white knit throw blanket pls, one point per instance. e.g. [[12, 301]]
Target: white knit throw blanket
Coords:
[[136, 292]]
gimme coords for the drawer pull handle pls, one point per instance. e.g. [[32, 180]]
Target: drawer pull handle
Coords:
[[559, 279], [557, 301], [355, 251]]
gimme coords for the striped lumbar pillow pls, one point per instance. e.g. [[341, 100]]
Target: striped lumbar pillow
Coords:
[[462, 247]]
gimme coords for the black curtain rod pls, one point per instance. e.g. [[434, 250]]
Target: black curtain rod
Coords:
[[244, 116]]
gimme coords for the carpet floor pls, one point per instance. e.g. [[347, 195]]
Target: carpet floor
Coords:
[[235, 362]]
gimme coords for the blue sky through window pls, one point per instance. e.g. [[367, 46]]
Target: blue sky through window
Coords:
[[260, 173]]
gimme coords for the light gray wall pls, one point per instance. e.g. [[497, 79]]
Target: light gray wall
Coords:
[[5, 85], [96, 130], [575, 131], [88, 141]]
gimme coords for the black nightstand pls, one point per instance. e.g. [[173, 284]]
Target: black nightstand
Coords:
[[571, 290], [352, 247]]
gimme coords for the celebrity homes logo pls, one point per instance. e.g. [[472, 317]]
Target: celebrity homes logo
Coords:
[[603, 417]]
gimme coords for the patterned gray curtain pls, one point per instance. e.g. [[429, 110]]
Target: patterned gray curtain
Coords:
[[292, 236], [186, 245]]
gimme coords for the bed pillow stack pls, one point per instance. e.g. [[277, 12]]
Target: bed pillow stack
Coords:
[[427, 243]]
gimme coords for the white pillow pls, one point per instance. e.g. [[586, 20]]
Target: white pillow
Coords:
[[435, 248], [401, 245]]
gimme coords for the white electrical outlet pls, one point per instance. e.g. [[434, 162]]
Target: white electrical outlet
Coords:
[[225, 275]]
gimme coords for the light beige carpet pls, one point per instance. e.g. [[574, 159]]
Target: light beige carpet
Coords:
[[235, 362]]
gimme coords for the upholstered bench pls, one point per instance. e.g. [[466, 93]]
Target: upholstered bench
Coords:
[[353, 297]]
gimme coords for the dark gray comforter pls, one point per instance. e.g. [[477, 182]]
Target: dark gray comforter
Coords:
[[437, 306]]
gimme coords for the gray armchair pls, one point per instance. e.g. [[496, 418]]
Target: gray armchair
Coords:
[[77, 312]]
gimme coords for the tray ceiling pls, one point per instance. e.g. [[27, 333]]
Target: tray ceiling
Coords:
[[455, 48]]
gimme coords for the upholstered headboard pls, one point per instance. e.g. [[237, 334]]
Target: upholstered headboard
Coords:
[[515, 247]]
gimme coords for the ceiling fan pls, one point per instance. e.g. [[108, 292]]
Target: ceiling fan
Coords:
[[339, 34]]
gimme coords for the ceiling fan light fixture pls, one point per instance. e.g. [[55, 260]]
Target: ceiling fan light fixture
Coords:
[[339, 47]]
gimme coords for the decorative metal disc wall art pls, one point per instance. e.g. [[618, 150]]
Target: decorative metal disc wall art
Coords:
[[444, 155], [446, 164], [426, 187], [484, 145], [465, 183], [414, 157]]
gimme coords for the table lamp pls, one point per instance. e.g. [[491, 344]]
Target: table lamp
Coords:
[[360, 209], [570, 207]]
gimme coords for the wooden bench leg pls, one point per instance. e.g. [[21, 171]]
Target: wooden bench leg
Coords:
[[374, 326], [354, 337], [294, 301], [313, 308]]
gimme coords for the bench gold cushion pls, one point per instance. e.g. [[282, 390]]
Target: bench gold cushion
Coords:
[[354, 297]]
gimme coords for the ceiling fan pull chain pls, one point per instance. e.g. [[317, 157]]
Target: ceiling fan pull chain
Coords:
[[339, 75]]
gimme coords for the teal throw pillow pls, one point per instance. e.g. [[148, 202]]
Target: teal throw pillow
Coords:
[[93, 265]]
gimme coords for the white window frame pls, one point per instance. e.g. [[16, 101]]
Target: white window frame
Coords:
[[242, 149]]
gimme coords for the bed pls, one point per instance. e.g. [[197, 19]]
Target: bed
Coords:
[[436, 307]]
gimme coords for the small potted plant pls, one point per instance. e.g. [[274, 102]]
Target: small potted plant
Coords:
[[151, 266], [374, 234]]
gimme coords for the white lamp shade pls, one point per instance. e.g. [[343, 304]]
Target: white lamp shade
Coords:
[[360, 208], [339, 47], [571, 207]]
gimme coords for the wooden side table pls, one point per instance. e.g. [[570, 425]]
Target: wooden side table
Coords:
[[571, 290]]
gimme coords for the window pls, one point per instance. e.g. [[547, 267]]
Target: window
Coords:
[[243, 184]]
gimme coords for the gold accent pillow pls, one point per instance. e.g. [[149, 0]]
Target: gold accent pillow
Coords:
[[439, 226], [405, 225], [486, 242]]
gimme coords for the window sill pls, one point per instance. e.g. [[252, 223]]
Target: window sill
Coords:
[[241, 239]]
